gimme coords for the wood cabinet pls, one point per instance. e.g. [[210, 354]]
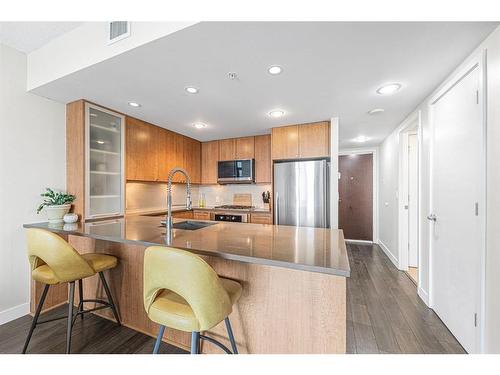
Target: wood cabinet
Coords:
[[152, 152], [263, 159], [261, 218], [314, 140], [227, 149], [301, 141], [141, 150], [237, 148], [201, 215], [209, 159], [183, 214], [285, 142]]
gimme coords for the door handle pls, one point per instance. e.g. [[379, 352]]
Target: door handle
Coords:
[[432, 217]]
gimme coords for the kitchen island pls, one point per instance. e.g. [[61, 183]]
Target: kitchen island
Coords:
[[293, 278]]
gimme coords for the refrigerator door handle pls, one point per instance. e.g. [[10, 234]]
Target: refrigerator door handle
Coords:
[[277, 209]]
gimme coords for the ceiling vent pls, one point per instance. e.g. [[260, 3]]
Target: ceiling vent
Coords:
[[118, 30]]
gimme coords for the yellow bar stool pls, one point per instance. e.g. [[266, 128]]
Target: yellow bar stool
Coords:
[[54, 261], [183, 292]]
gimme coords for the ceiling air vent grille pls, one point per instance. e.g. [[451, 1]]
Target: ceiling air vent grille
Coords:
[[118, 30]]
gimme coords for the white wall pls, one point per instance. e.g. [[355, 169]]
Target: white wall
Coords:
[[57, 58], [389, 183], [32, 157]]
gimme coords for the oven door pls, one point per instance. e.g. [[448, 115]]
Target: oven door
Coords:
[[236, 171]]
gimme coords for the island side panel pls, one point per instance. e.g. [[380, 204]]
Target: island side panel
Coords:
[[281, 310]]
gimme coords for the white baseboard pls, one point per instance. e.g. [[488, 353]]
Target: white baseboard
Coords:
[[361, 242], [424, 296], [14, 313], [387, 252]]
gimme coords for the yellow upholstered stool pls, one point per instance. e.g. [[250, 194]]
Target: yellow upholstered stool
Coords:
[[183, 292], [54, 261]]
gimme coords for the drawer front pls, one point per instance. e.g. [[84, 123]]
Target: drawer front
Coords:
[[261, 219], [201, 215], [183, 214]]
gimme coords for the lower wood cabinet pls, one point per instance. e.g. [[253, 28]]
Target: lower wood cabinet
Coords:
[[183, 214], [201, 215], [261, 218]]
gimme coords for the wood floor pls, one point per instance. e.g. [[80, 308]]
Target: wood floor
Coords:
[[384, 315]]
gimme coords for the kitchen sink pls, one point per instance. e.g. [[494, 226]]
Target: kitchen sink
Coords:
[[190, 225]]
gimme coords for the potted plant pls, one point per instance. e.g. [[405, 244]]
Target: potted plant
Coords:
[[57, 204]]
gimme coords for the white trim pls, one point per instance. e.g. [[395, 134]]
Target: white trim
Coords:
[[476, 61], [334, 172], [389, 254], [361, 242], [14, 313], [423, 295], [374, 152]]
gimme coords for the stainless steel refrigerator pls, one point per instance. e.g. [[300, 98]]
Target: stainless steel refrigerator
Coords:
[[302, 193]]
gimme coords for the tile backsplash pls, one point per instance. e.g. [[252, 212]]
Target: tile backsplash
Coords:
[[143, 196]]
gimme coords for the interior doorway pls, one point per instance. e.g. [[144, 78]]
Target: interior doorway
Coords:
[[356, 196], [409, 212]]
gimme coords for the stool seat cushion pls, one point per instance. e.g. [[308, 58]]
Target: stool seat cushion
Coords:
[[100, 262], [44, 275], [173, 311]]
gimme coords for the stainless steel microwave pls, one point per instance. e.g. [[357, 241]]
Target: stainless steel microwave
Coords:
[[236, 171]]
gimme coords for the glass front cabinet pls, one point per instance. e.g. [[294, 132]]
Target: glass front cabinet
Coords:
[[104, 163]]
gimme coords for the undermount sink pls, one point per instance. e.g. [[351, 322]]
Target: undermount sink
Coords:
[[190, 225]]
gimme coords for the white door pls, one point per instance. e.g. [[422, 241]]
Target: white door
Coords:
[[412, 200], [456, 189]]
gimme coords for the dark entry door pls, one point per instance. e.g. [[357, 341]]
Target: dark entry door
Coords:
[[356, 196]]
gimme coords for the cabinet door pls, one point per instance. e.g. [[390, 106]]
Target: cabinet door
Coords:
[[209, 159], [227, 149], [314, 140], [263, 159], [245, 148], [201, 215], [192, 159], [167, 158], [141, 150], [183, 214], [261, 218], [285, 142]]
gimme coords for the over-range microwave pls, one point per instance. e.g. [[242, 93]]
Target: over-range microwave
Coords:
[[236, 171]]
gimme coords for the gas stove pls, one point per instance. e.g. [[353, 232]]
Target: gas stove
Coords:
[[234, 207]]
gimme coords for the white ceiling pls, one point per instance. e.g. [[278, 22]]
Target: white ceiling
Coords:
[[29, 36], [330, 69]]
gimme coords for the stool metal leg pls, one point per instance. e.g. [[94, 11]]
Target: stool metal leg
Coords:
[[110, 299], [35, 318], [70, 316], [231, 336], [80, 294], [158, 340], [195, 342]]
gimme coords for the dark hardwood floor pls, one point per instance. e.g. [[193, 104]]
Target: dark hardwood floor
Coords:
[[384, 315]]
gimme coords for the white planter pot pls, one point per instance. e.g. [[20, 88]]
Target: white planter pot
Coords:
[[55, 214]]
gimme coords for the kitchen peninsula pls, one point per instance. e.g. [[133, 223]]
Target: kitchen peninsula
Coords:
[[293, 278]]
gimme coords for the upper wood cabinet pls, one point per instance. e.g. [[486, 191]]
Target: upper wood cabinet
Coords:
[[209, 159], [301, 141], [314, 140], [152, 152], [237, 148], [285, 142], [263, 159], [192, 159], [141, 150]]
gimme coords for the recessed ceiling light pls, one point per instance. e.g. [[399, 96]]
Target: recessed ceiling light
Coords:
[[361, 139], [134, 104], [100, 142], [192, 90], [375, 111], [199, 125], [93, 115], [275, 69], [277, 113], [389, 89]]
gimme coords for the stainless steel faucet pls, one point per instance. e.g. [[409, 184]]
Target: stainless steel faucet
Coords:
[[169, 221]]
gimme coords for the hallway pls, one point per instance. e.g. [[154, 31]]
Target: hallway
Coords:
[[384, 313]]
